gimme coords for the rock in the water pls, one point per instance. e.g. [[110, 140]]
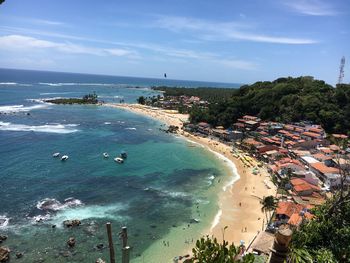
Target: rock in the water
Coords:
[[99, 260], [72, 223], [71, 242], [4, 254], [19, 254], [100, 246], [2, 238]]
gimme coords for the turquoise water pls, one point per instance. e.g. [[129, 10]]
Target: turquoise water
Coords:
[[162, 185]]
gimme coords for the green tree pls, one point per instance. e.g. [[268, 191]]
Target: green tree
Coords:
[[269, 203], [141, 100], [209, 250]]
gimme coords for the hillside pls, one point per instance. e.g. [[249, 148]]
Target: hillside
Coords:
[[286, 100]]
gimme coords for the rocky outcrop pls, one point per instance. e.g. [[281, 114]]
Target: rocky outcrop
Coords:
[[4, 254], [99, 260], [2, 238], [72, 223], [71, 242]]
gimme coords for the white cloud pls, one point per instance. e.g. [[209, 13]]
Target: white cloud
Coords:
[[20, 42], [45, 22], [223, 31], [312, 7]]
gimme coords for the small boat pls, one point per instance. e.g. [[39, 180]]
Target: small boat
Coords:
[[119, 160], [105, 155], [64, 158], [123, 154], [56, 155]]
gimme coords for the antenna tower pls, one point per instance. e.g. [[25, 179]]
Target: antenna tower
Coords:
[[341, 70]]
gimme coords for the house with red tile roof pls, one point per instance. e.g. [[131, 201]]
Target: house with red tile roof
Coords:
[[285, 210], [303, 188]]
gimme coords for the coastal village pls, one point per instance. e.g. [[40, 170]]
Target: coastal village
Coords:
[[304, 163]]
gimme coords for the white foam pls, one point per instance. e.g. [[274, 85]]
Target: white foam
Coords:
[[133, 129], [107, 123], [58, 84], [51, 204], [20, 108], [14, 84], [4, 221], [227, 162], [216, 220], [8, 83], [176, 194], [49, 128], [90, 212]]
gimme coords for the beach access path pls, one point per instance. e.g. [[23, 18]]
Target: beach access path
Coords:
[[239, 203]]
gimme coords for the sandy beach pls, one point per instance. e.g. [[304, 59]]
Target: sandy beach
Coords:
[[239, 202]]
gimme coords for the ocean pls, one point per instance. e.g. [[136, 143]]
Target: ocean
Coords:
[[164, 184]]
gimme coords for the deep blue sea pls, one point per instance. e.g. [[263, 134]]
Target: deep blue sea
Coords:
[[163, 184]]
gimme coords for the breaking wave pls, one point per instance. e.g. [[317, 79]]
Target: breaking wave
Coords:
[[20, 108], [14, 84], [4, 221], [49, 128], [51, 204], [59, 84]]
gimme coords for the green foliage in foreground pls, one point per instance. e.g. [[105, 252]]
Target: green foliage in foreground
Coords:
[[285, 100], [208, 250], [325, 238]]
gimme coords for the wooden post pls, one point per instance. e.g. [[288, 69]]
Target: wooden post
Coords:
[[126, 254], [125, 247], [124, 236], [110, 242]]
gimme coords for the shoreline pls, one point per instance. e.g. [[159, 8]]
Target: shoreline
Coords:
[[239, 199]]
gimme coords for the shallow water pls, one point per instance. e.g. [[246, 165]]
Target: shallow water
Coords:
[[162, 185]]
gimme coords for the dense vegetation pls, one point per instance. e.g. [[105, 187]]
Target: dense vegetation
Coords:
[[211, 251], [286, 100], [327, 236], [209, 94], [87, 99]]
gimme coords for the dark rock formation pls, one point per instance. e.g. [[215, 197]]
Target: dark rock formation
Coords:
[[72, 223], [4, 254]]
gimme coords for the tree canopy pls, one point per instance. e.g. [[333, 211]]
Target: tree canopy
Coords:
[[285, 100]]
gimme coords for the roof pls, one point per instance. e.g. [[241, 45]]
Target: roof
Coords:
[[249, 117], [203, 124], [295, 219], [288, 208], [340, 136], [311, 134], [334, 147], [239, 124], [322, 168], [309, 159], [321, 157], [263, 242], [251, 122], [316, 130], [300, 184], [325, 150]]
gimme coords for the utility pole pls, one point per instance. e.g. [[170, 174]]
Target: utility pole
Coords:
[[341, 70]]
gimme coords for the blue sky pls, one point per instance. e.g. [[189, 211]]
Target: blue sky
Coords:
[[224, 40]]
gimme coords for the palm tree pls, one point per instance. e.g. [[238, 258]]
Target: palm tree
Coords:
[[269, 203]]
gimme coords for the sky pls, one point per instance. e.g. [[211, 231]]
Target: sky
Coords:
[[235, 41]]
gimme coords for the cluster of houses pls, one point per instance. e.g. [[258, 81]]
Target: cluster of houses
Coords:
[[184, 102], [300, 157]]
